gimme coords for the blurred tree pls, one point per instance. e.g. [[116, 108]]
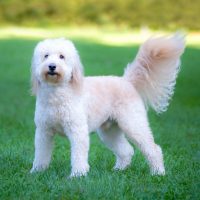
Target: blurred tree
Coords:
[[168, 14]]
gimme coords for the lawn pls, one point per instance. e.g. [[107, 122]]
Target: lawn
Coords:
[[177, 131]]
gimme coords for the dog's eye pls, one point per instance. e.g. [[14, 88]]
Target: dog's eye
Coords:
[[61, 56], [46, 55]]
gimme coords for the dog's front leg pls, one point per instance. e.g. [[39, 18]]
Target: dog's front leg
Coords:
[[43, 149], [79, 140]]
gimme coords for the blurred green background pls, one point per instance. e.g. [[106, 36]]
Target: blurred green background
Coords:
[[107, 34], [156, 14]]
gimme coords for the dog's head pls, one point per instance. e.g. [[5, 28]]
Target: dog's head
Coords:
[[54, 62]]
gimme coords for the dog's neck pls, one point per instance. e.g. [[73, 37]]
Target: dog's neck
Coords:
[[55, 94]]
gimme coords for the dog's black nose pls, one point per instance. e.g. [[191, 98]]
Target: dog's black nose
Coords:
[[52, 67]]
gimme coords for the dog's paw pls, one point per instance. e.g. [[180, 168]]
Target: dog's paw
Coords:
[[158, 171], [38, 168], [120, 167], [79, 172], [122, 164]]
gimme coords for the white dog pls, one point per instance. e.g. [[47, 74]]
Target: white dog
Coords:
[[73, 105]]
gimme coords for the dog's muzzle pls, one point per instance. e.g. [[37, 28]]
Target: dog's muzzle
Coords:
[[52, 68]]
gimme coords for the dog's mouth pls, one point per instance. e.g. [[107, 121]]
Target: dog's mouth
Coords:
[[53, 77], [52, 73]]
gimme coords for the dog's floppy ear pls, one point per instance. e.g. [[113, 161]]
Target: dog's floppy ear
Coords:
[[34, 81], [77, 73]]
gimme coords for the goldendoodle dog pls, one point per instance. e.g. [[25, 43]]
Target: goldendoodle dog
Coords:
[[116, 107]]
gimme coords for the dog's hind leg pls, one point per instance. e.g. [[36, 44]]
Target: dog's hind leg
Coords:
[[133, 121], [115, 140]]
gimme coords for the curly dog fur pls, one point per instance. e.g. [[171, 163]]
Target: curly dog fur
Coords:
[[73, 105]]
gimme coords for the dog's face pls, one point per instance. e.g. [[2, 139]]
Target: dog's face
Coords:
[[55, 61]]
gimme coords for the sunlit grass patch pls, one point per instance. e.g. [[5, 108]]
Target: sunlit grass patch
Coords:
[[100, 35]]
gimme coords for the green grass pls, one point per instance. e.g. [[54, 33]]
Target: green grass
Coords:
[[177, 131]]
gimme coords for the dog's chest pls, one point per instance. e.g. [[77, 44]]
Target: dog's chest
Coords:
[[55, 117]]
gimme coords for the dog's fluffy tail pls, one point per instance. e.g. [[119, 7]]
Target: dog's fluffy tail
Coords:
[[155, 68]]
